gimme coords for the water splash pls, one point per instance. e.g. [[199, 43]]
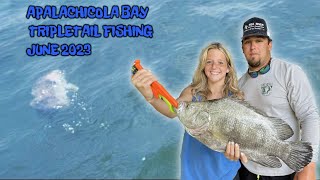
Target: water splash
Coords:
[[59, 103], [68, 128], [51, 91]]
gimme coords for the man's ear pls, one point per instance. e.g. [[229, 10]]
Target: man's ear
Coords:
[[270, 45]]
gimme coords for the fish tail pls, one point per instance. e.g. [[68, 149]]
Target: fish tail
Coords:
[[300, 155]]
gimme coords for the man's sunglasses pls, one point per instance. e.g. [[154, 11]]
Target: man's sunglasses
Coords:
[[263, 70]]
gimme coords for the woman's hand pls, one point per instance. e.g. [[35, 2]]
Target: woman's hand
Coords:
[[142, 81]]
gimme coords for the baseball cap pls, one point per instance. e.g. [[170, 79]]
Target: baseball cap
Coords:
[[255, 27]]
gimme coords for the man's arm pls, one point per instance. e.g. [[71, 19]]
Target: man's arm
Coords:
[[302, 102]]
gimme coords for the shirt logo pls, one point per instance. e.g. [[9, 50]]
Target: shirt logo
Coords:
[[266, 89]]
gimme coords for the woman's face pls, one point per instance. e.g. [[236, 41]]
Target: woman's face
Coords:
[[216, 66]]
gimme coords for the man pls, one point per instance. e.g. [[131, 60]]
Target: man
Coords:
[[281, 90]]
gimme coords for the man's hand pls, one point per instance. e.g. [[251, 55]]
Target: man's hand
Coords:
[[308, 172], [233, 153]]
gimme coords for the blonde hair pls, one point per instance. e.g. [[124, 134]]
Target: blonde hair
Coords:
[[200, 81]]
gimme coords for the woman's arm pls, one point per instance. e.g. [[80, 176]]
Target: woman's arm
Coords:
[[142, 81]]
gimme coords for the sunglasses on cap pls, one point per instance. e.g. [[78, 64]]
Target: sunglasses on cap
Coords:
[[263, 70]]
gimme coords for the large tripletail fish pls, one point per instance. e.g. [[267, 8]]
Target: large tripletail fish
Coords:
[[260, 137]]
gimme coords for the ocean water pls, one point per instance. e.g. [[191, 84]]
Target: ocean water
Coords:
[[80, 117]]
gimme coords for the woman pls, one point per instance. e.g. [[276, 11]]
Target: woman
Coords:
[[215, 78]]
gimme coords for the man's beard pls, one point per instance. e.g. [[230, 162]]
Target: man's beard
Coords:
[[254, 64]]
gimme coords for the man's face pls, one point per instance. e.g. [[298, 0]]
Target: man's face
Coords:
[[257, 50]]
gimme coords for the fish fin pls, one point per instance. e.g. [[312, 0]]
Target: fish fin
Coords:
[[246, 104], [239, 101], [283, 129], [300, 155], [268, 161]]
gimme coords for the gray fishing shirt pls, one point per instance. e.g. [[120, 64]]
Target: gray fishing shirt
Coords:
[[284, 92]]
